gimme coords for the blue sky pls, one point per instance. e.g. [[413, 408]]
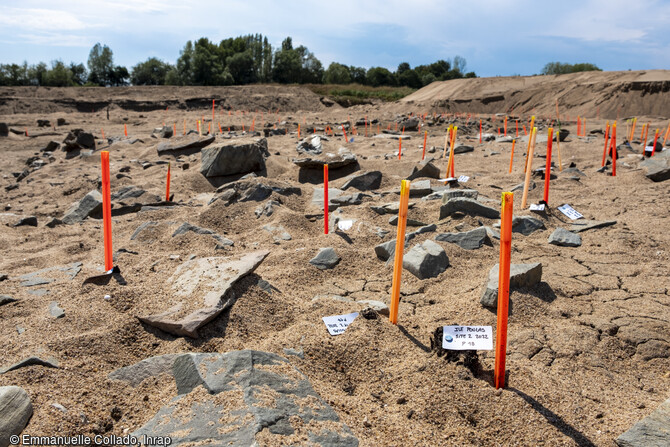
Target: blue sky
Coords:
[[496, 37]]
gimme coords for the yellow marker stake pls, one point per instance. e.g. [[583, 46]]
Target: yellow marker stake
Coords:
[[446, 141], [399, 248], [450, 163], [532, 123], [529, 167], [558, 148]]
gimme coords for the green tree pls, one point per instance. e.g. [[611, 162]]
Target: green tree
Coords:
[[242, 68], [78, 73], [358, 75], [59, 75], [555, 68], [337, 74], [153, 71], [377, 76], [100, 65]]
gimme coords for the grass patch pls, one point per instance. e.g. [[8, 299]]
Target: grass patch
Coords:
[[352, 94]]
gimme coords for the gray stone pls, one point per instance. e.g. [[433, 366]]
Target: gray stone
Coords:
[[565, 238], [420, 188], [186, 227], [410, 222], [426, 260], [240, 394], [385, 250], [327, 258], [318, 199], [128, 192], [163, 132], [267, 209], [519, 187], [652, 431], [27, 221], [388, 208], [347, 199], [15, 412], [188, 144], [151, 367], [36, 278], [467, 206], [409, 124], [55, 310], [469, 240], [143, 226], [364, 181], [294, 352], [454, 193], [521, 275], [90, 205], [4, 130], [504, 139], [583, 225], [334, 161], [462, 149], [424, 169], [77, 139], [6, 299], [212, 278], [378, 306], [426, 229], [236, 157], [657, 167], [311, 145], [29, 361], [54, 222], [526, 225], [279, 233], [573, 172]]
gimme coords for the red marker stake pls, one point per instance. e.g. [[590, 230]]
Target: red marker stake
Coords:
[[425, 136], [614, 149], [399, 148], [167, 185], [125, 130], [503, 288], [325, 199], [345, 134], [106, 210], [547, 169], [653, 150]]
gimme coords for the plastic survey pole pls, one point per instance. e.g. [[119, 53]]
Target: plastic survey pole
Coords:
[[167, 185], [399, 249], [547, 169], [503, 288], [607, 140], [325, 199], [529, 157], [106, 211]]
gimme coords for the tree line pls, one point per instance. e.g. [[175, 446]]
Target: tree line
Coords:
[[235, 61]]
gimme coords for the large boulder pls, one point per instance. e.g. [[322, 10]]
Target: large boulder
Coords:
[[426, 260], [334, 161], [245, 398], [15, 412], [187, 144], [521, 275], [469, 207], [234, 157], [89, 205]]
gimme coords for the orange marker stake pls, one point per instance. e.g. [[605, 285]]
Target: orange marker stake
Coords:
[[667, 133], [325, 199], [644, 139], [197, 126], [653, 150], [125, 130], [106, 211], [174, 129], [529, 165], [446, 141], [103, 133], [379, 132], [399, 148], [366, 127], [345, 134], [584, 127], [26, 131], [399, 249], [452, 157], [209, 128], [220, 131], [505, 126], [503, 288], [607, 139], [632, 132], [167, 185], [614, 149], [511, 157], [425, 136], [547, 169], [298, 131], [184, 127]]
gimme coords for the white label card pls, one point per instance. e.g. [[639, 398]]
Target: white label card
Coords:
[[467, 337], [345, 225], [537, 207], [570, 212], [337, 324], [463, 178]]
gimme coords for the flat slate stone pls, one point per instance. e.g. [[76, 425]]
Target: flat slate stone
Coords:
[[6, 299], [378, 306], [420, 188], [363, 181], [212, 278], [326, 259], [526, 225], [184, 145], [424, 169], [30, 361], [239, 395], [89, 205], [385, 250], [30, 221], [151, 367], [39, 277], [186, 227], [15, 412], [389, 208], [468, 240], [334, 161], [583, 225], [426, 260], [454, 193], [468, 206], [657, 167], [521, 275], [410, 222], [55, 310], [652, 431], [565, 238]]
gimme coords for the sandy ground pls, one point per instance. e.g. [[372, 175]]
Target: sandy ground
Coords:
[[589, 348]]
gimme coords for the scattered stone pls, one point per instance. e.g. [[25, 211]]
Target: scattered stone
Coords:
[[54, 222], [333, 193], [385, 250], [237, 384], [526, 225], [52, 146], [424, 169], [468, 240], [363, 181], [387, 208], [184, 145], [657, 167], [77, 139], [162, 132], [409, 124], [15, 412], [454, 193], [565, 238], [55, 310], [573, 172], [343, 158], [151, 367], [4, 130], [378, 306], [266, 209], [128, 192], [294, 352], [311, 145], [186, 227], [519, 187], [327, 258], [410, 222], [27, 221], [347, 199], [583, 225], [279, 233], [488, 137], [462, 149], [90, 205], [3, 277], [652, 431], [59, 407], [143, 226], [503, 139], [237, 157], [426, 260], [213, 279], [6, 299], [420, 188], [467, 206], [35, 278], [521, 275], [30, 361]]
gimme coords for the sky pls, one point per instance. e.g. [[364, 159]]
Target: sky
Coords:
[[496, 37]]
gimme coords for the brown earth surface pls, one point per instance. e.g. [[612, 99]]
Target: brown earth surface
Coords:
[[588, 351]]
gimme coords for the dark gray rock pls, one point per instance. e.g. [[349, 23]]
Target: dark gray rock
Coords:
[[188, 144], [54, 222], [30, 361], [426, 260], [15, 412], [77, 139], [388, 208], [424, 169], [151, 367], [267, 209], [236, 157], [519, 187], [652, 431], [310, 145], [409, 124], [410, 222], [4, 130], [385, 250], [55, 311], [39, 278], [242, 393], [52, 146], [454, 193], [469, 207], [143, 226], [128, 192], [347, 199], [468, 240], [462, 149], [327, 258], [30, 221], [186, 227], [6, 299], [343, 158], [565, 238], [521, 275], [364, 181], [89, 205], [584, 225], [420, 188], [278, 232], [657, 167], [526, 225], [163, 132]]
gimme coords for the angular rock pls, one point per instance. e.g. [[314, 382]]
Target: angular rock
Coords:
[[267, 209], [468, 240], [6, 299], [30, 361], [364, 181], [186, 227], [467, 206], [30, 221], [151, 367], [184, 145], [128, 192], [652, 431], [385, 250], [583, 225], [424, 169], [311, 145], [410, 222], [426, 260], [212, 278], [78, 139], [378, 306], [240, 394], [237, 157], [55, 311], [526, 225], [521, 275], [343, 158], [519, 187], [420, 188], [54, 222], [4, 130], [454, 193], [327, 258], [347, 199], [52, 146], [318, 199], [163, 132], [409, 124], [15, 412], [389, 208], [565, 238], [279, 233], [462, 149], [90, 205], [658, 167]]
